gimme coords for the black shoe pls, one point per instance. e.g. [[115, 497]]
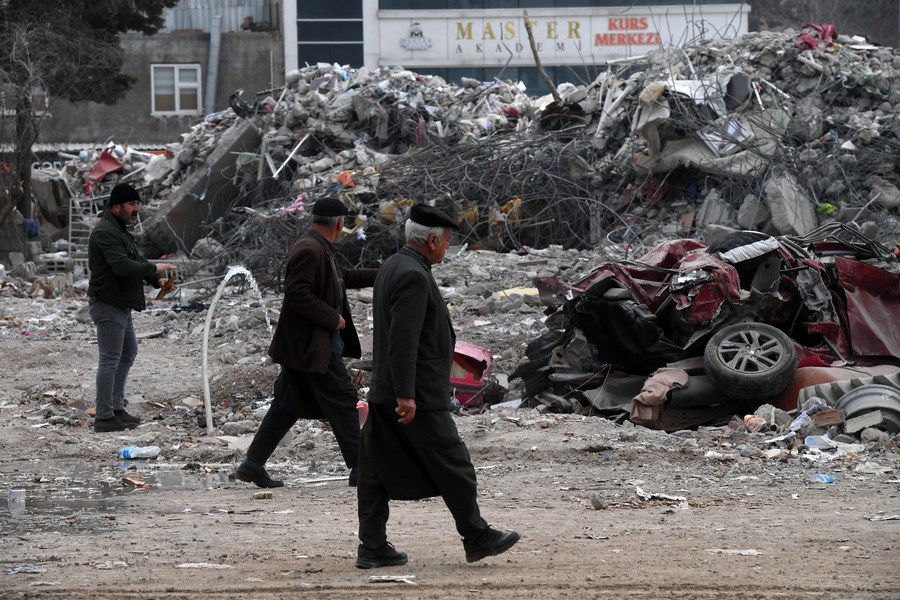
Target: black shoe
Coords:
[[125, 417], [257, 475], [490, 542], [354, 477], [111, 424], [387, 556]]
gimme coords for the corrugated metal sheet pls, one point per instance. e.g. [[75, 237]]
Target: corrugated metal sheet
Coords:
[[198, 14], [75, 147]]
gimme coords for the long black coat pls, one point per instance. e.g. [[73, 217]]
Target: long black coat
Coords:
[[413, 338], [308, 320]]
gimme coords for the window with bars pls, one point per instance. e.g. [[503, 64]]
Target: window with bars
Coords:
[[40, 100]]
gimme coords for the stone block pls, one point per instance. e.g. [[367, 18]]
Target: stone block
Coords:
[[16, 259], [793, 211], [869, 419], [752, 213]]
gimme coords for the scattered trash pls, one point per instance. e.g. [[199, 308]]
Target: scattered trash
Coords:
[[263, 495], [26, 569], [819, 442], [822, 478], [138, 452], [885, 518], [202, 566], [410, 579], [747, 552], [681, 501], [135, 481]]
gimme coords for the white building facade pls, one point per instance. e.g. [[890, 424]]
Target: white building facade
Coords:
[[485, 39]]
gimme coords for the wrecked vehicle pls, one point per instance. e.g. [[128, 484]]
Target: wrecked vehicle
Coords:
[[722, 327]]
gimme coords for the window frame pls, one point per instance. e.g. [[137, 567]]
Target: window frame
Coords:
[[8, 109], [198, 86]]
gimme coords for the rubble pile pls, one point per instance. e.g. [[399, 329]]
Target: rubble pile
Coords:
[[763, 132]]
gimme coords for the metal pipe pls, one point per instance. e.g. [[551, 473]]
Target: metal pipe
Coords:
[[212, 70]]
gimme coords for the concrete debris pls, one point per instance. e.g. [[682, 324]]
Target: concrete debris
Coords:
[[748, 133]]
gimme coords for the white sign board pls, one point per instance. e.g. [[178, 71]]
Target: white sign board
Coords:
[[562, 36]]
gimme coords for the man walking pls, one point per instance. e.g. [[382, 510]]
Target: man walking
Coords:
[[419, 454], [115, 288], [314, 331]]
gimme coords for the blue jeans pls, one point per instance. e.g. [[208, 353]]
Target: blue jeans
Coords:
[[117, 345]]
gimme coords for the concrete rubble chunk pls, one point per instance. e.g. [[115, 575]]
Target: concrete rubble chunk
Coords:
[[856, 424], [793, 211]]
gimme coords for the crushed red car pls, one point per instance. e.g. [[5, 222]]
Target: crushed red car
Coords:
[[743, 313]]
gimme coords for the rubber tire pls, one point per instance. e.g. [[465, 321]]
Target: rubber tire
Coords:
[[750, 361]]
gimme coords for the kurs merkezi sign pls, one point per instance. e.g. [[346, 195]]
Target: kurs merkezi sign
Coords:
[[561, 36]]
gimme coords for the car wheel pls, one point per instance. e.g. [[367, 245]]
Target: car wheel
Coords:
[[750, 361]]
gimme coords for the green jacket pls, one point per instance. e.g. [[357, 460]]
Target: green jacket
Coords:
[[118, 271]]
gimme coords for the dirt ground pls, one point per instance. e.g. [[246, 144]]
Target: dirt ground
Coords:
[[605, 510]]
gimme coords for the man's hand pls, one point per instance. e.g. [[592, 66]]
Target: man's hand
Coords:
[[161, 268], [406, 408], [341, 323]]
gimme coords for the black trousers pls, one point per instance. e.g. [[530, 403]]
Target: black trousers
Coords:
[[400, 460], [330, 393]]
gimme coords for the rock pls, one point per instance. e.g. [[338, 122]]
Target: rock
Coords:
[[752, 213], [793, 211]]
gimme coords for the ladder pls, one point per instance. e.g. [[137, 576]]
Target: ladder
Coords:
[[83, 216]]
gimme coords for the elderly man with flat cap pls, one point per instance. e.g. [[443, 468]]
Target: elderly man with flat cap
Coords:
[[315, 330], [410, 446], [115, 288]]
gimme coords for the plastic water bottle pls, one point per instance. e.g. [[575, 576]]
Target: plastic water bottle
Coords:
[[821, 442], [822, 478], [138, 452]]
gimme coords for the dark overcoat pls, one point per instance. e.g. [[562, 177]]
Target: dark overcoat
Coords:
[[303, 338], [413, 337]]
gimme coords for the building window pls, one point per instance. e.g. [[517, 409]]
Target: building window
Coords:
[[342, 54], [40, 100], [330, 32], [175, 89]]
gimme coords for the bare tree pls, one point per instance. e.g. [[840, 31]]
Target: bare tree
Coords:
[[68, 49]]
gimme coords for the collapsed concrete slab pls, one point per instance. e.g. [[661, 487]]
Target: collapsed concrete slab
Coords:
[[204, 196]]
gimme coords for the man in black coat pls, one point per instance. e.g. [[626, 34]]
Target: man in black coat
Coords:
[[419, 455], [315, 330]]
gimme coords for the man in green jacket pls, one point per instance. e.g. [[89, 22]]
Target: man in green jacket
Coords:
[[118, 272]]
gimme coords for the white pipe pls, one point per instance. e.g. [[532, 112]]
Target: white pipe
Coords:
[[212, 71]]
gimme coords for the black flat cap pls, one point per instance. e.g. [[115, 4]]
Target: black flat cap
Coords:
[[329, 207], [431, 216], [123, 193]]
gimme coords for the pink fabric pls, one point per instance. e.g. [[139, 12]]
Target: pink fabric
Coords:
[[645, 406], [825, 33]]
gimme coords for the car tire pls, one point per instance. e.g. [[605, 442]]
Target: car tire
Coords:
[[750, 361]]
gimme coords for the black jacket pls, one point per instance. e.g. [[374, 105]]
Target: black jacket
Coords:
[[118, 271]]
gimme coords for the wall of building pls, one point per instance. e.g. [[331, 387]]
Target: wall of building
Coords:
[[484, 39], [252, 61]]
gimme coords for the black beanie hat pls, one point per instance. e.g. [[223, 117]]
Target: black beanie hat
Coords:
[[123, 193]]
